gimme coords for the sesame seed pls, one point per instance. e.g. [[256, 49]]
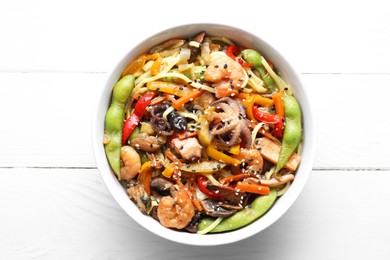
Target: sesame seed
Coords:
[[225, 66]]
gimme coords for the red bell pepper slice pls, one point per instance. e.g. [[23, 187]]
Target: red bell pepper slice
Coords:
[[232, 51], [272, 119], [129, 125], [142, 103], [202, 184], [132, 121]]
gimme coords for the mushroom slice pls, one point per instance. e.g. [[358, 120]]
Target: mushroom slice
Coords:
[[193, 226], [213, 209], [232, 195], [138, 194], [147, 143], [161, 186]]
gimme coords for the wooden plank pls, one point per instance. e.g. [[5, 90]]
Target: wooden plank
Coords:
[[47, 118], [327, 36], [350, 111], [53, 213], [49, 124]]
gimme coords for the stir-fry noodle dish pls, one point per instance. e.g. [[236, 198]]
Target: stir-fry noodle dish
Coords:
[[203, 133]]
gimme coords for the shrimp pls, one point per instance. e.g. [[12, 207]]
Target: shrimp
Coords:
[[175, 211], [130, 163], [226, 74], [254, 160]]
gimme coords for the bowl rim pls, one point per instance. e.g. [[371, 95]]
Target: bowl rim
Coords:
[[283, 204]]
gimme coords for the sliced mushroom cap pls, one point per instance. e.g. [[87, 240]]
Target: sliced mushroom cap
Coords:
[[161, 186], [193, 226], [147, 143], [213, 209], [138, 194], [195, 50]]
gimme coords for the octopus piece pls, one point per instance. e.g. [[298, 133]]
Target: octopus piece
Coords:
[[232, 124], [158, 123], [226, 74], [189, 149]]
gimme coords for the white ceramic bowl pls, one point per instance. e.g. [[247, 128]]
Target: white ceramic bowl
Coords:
[[243, 38]]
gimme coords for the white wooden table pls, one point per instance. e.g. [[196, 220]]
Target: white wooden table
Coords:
[[54, 57]]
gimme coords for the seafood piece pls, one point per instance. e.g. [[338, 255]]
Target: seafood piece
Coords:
[[175, 211], [138, 194], [189, 149], [226, 74], [130, 163], [233, 124], [254, 160], [205, 100]]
